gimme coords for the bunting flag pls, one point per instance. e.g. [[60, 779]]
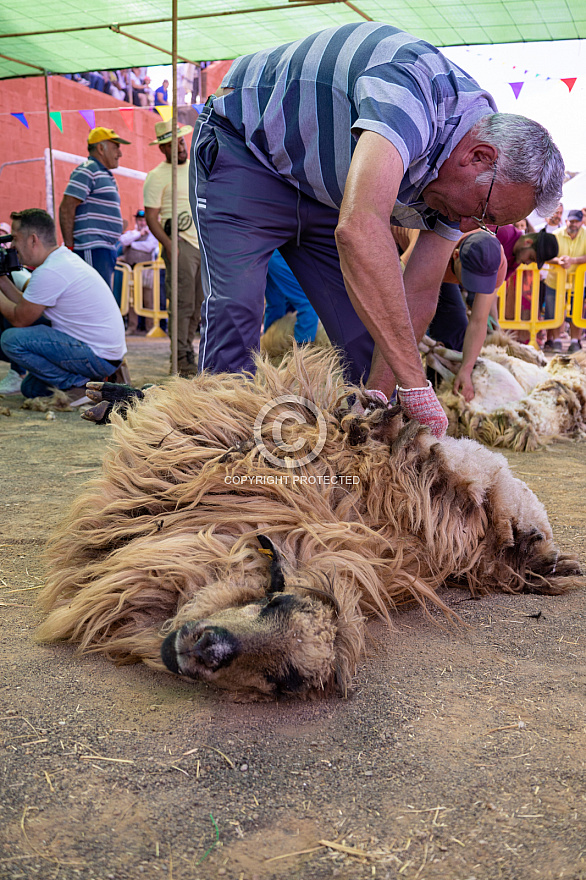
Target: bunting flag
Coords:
[[56, 117], [21, 118], [516, 87], [198, 107], [89, 116], [570, 82], [128, 116], [165, 112]]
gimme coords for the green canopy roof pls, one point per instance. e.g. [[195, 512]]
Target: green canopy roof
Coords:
[[64, 36]]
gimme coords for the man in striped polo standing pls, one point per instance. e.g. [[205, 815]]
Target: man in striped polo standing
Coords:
[[312, 148], [89, 214]]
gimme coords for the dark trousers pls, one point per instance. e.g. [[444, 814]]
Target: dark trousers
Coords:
[[450, 320], [244, 211]]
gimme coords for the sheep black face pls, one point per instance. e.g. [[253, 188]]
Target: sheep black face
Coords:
[[282, 645]]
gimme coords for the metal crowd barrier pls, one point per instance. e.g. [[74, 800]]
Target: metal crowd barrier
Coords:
[[132, 293], [534, 323]]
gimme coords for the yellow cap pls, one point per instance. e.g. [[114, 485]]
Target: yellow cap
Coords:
[[97, 135]]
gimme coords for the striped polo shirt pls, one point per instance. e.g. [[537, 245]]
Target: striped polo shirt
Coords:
[[98, 220], [301, 106]]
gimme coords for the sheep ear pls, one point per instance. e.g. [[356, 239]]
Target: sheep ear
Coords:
[[277, 581]]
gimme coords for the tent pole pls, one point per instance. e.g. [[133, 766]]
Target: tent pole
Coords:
[[50, 207], [174, 230]]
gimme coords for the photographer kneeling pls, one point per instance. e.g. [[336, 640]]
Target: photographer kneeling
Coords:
[[86, 338]]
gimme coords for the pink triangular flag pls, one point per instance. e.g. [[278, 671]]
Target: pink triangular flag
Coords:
[[570, 82], [516, 87], [128, 116], [89, 116]]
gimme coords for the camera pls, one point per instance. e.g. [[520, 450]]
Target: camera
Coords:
[[8, 257]]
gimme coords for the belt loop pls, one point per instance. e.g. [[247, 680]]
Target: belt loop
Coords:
[[298, 218]]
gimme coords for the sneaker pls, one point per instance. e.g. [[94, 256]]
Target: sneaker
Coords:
[[11, 383], [574, 346], [548, 345], [77, 396], [557, 345]]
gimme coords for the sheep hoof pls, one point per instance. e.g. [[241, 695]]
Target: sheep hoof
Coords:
[[105, 395]]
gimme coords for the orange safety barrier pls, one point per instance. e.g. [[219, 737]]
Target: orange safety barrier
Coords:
[[534, 323]]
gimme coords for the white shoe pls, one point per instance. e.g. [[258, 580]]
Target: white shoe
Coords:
[[11, 383]]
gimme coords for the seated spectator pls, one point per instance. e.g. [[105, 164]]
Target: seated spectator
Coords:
[[139, 245], [140, 88], [86, 338], [284, 294], [161, 94]]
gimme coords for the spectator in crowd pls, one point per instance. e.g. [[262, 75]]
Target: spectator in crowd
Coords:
[[139, 245], [157, 194], [554, 222], [89, 214], [86, 338], [379, 138], [140, 87], [161, 94], [283, 294], [572, 252], [524, 225]]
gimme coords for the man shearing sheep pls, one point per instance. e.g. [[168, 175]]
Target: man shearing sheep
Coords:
[[312, 148]]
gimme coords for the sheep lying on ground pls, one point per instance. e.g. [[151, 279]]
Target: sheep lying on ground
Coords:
[[243, 528], [520, 403]]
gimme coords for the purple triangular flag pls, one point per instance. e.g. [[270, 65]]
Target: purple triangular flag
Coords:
[[89, 116], [21, 118], [516, 87]]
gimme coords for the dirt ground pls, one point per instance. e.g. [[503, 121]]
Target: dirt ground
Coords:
[[460, 755]]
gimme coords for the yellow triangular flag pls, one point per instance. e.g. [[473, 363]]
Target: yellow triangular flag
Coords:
[[165, 112]]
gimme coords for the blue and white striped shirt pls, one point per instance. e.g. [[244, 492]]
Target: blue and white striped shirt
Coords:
[[98, 220], [301, 106]]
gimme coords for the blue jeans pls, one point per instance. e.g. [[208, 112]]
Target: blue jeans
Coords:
[[283, 291], [103, 260], [53, 358]]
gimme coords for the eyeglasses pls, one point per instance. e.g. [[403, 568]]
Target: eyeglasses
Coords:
[[480, 220]]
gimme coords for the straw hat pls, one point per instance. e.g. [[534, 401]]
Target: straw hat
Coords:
[[164, 133]]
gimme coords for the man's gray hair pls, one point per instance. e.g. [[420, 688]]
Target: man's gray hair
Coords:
[[526, 154]]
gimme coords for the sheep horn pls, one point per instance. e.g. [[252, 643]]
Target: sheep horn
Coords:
[[277, 582]]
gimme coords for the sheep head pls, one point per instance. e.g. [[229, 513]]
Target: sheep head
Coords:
[[282, 644]]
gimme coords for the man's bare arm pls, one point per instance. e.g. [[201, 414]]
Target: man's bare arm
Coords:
[[154, 224], [18, 311], [67, 210], [370, 265]]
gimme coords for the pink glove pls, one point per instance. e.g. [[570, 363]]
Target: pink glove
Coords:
[[422, 405]]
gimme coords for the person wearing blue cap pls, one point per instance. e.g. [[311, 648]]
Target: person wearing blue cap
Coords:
[[479, 266]]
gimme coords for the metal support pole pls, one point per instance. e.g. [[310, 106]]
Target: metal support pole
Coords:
[[51, 207], [174, 230]]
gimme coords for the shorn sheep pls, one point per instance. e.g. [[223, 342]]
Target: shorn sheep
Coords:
[[245, 527]]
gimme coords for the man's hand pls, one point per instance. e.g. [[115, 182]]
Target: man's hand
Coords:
[[422, 405], [463, 385]]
